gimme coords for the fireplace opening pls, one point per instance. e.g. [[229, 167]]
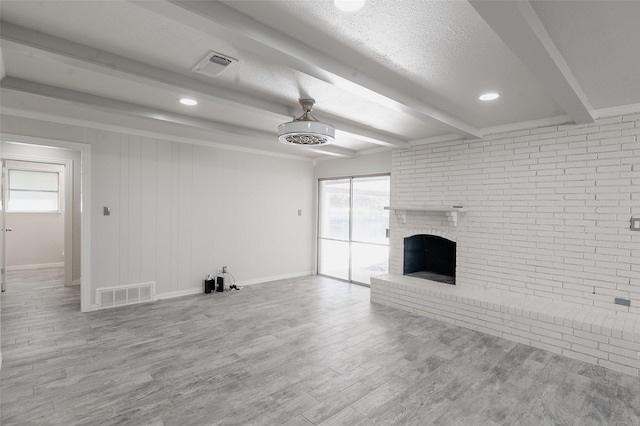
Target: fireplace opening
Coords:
[[430, 257]]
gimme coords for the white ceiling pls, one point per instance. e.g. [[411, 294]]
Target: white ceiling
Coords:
[[391, 74]]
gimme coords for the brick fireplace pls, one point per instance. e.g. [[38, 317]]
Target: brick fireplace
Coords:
[[543, 245]]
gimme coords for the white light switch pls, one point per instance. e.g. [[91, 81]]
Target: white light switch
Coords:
[[635, 223], [299, 212]]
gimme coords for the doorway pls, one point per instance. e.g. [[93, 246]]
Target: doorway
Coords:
[[353, 244], [74, 157], [35, 220]]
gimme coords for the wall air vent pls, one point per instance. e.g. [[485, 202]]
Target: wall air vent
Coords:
[[213, 64], [125, 295]]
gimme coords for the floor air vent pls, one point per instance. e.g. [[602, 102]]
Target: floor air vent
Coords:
[[125, 295]]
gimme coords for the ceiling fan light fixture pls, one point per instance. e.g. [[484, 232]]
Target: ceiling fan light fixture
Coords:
[[349, 5], [306, 130]]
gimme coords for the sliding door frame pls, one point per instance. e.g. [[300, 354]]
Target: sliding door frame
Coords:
[[350, 241]]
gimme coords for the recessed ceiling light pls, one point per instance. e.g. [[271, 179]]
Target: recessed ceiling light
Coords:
[[489, 96], [349, 5], [188, 101]]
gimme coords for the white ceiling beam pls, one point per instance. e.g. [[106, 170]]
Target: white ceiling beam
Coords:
[[520, 28], [24, 111], [75, 54], [222, 21], [333, 151], [120, 107], [113, 105]]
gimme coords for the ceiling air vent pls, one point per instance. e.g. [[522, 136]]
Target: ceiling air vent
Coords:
[[213, 64]]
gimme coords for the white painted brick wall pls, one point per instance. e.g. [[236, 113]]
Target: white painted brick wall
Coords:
[[549, 210]]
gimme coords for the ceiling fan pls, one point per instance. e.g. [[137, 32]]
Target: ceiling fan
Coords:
[[306, 130]]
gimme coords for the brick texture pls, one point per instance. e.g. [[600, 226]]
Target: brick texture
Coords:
[[545, 246], [548, 210]]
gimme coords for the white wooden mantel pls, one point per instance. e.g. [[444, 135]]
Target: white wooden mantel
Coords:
[[451, 212]]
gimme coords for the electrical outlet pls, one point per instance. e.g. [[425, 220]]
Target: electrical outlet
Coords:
[[623, 302], [635, 223], [224, 269]]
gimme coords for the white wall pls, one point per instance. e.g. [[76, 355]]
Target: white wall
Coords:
[[369, 164], [178, 211], [36, 239], [549, 209]]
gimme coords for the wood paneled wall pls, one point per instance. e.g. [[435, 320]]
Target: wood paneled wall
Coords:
[[178, 211]]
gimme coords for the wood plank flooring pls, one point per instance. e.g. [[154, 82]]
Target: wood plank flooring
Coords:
[[307, 351]]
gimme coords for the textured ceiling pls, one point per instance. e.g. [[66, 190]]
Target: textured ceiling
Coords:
[[390, 74], [442, 50], [600, 42]]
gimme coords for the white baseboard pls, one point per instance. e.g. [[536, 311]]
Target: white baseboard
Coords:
[[38, 266], [198, 290], [179, 293], [274, 278], [92, 308]]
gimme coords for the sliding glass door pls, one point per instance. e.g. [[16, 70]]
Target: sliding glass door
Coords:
[[370, 221], [352, 231], [334, 228]]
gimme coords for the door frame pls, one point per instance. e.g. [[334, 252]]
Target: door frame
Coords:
[[85, 201], [3, 231]]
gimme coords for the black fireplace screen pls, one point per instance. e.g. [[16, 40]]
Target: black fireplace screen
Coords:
[[431, 257]]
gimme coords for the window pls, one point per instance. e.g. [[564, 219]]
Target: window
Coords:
[[33, 191]]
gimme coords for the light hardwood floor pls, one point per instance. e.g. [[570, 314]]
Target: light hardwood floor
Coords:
[[304, 351]]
